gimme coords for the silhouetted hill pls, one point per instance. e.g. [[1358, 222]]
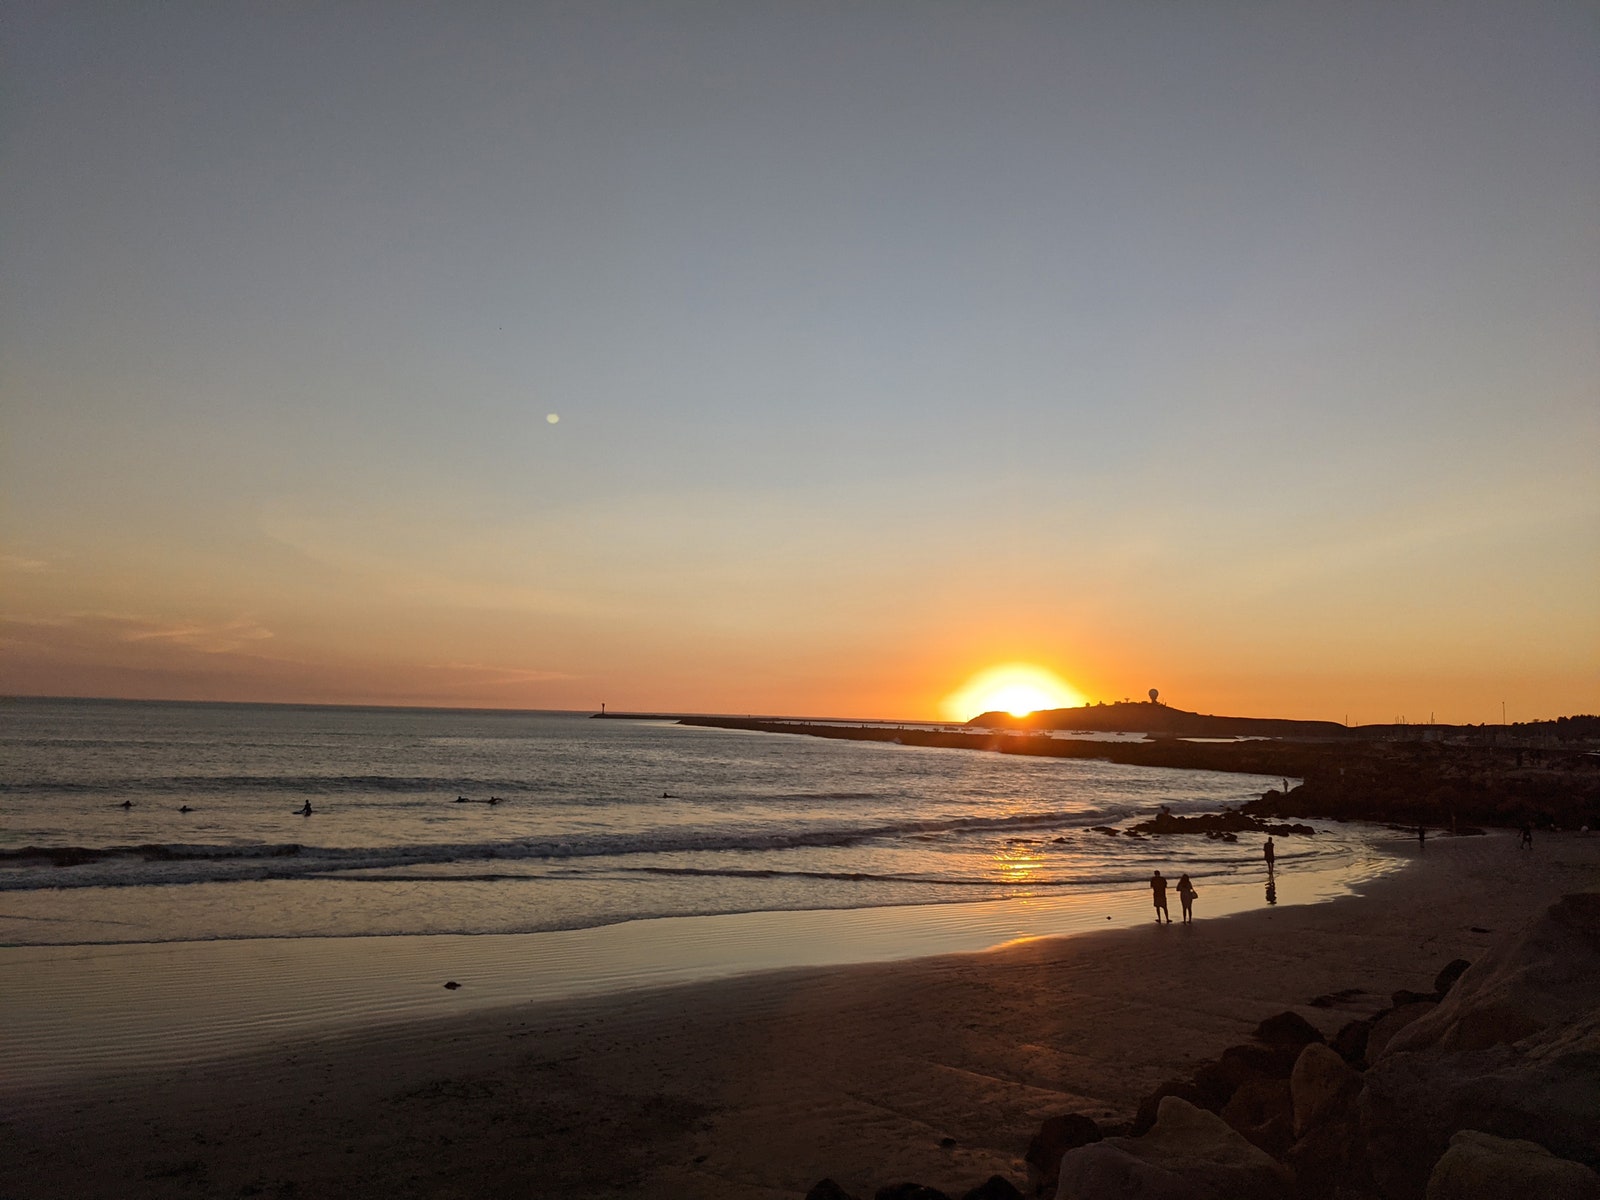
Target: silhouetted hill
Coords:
[[1147, 716]]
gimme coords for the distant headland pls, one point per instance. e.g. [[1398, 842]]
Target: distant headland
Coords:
[[1157, 719], [1153, 717], [1544, 772]]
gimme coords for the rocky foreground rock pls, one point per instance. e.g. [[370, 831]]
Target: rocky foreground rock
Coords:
[[1486, 1088]]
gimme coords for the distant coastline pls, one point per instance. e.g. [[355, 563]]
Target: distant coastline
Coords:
[[1368, 776]]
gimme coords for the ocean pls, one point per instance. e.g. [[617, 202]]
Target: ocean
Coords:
[[619, 855], [595, 822]]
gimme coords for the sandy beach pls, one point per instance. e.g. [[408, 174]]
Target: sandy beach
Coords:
[[933, 1069]]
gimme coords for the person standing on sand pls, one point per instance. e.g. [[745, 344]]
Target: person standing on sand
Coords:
[[1270, 854], [1158, 886], [1186, 895], [1527, 837]]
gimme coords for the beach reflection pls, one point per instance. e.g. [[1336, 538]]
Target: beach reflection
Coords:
[[1017, 864]]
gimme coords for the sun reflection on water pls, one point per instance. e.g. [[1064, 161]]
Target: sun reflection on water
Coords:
[[1017, 864]]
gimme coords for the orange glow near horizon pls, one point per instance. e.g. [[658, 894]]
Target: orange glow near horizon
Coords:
[[1016, 688]]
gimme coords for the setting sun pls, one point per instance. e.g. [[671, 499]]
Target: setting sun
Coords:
[[1016, 688]]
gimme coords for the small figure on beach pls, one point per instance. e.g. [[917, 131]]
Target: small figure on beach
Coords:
[[1422, 836], [1158, 886], [1526, 842], [1186, 895], [1270, 853], [303, 812]]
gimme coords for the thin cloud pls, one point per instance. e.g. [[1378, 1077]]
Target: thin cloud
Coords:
[[482, 674], [208, 637]]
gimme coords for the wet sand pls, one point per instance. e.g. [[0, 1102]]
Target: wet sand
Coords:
[[933, 1069]]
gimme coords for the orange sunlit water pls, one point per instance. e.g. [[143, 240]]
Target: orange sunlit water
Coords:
[[1017, 688], [1017, 864]]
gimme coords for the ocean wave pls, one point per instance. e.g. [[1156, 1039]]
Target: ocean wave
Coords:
[[170, 863], [285, 784]]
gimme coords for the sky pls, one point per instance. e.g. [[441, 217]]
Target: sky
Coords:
[[803, 358]]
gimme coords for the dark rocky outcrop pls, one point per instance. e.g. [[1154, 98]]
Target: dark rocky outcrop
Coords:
[[1549, 974], [1228, 821], [1497, 1070], [1545, 1090], [1485, 1088], [827, 1189]]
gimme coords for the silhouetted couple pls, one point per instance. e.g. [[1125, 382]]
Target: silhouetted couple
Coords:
[[1186, 895]]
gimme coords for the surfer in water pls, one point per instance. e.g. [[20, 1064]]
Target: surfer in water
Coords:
[[303, 812]]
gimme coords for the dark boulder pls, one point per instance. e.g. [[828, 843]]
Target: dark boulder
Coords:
[[1189, 1154], [911, 1191], [1287, 1029], [1324, 1088], [1351, 1041], [1447, 977], [1216, 1084], [1479, 1166], [827, 1189], [1150, 1106], [1056, 1136], [1387, 1025], [1406, 996], [996, 1187], [1263, 1111], [1274, 1062], [1328, 1161]]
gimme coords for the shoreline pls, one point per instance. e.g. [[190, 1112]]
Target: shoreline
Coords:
[[935, 1068], [225, 994]]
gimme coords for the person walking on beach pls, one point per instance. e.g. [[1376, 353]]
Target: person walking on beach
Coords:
[[1158, 886], [1270, 854], [1527, 837], [1186, 895]]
